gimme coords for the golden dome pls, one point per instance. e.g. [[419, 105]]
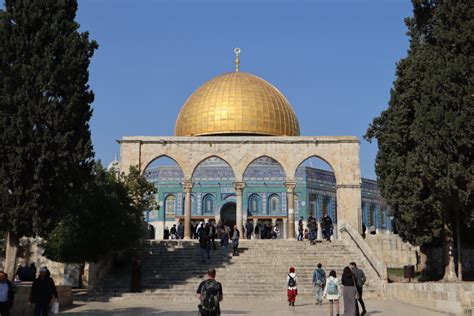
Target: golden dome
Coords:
[[237, 103]]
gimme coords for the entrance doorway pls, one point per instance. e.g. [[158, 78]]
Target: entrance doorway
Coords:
[[228, 214]]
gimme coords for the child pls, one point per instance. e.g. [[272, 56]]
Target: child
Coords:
[[291, 281], [332, 291]]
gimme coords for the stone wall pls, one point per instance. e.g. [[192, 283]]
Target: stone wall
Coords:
[[442, 297], [392, 250], [30, 251]]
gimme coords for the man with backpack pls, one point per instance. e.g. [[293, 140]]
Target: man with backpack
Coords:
[[319, 281], [209, 293]]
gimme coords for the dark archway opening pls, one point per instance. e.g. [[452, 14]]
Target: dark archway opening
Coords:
[[228, 214]]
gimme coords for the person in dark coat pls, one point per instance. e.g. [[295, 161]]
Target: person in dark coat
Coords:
[[350, 292], [166, 233], [326, 224], [6, 294], [42, 291]]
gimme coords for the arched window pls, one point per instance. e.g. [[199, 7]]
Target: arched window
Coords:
[[208, 204], [273, 203], [372, 215], [313, 204], [254, 203], [170, 204]]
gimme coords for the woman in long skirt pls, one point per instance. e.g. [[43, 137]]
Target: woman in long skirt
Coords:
[[292, 291], [350, 292]]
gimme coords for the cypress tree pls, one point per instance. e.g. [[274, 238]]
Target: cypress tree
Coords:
[[45, 106], [426, 136]]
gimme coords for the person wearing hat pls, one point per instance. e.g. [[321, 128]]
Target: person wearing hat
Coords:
[[291, 281], [42, 291]]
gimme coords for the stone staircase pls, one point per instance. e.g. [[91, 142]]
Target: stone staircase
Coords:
[[173, 269]]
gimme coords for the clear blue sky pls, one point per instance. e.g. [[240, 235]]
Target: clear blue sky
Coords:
[[333, 60]]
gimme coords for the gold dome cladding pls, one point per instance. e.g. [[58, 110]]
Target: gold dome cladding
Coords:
[[237, 103]]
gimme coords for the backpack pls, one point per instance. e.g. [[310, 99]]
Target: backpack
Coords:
[[332, 287], [210, 295], [322, 277], [291, 281]]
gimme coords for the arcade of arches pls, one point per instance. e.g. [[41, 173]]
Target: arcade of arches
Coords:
[[238, 147]]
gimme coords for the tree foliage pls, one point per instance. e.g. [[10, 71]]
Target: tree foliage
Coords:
[[45, 106], [426, 136], [107, 216]]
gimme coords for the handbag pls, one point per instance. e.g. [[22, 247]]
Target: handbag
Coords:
[[55, 307]]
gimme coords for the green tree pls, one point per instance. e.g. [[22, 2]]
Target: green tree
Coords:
[[105, 218], [45, 106], [426, 136]]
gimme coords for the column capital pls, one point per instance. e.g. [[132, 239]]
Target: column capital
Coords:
[[239, 186], [188, 186], [290, 186]]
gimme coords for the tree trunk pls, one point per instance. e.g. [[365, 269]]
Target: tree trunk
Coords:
[[11, 250], [459, 244], [421, 259], [449, 271]]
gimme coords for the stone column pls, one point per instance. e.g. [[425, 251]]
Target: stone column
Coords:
[[349, 206], [239, 188], [285, 228], [187, 187], [290, 189]]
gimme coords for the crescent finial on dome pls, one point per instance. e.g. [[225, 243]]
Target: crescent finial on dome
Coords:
[[237, 59]]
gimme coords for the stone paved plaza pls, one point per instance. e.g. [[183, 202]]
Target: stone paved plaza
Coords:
[[303, 307]]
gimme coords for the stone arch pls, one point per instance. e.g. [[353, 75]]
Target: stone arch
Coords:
[[249, 163], [151, 161], [320, 157], [199, 163]]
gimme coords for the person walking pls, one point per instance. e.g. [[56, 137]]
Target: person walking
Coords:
[[360, 279], [6, 295], [313, 231], [205, 247], [300, 229], [180, 230], [42, 291], [319, 281], [248, 230], [257, 231], [210, 295], [212, 235], [349, 292], [225, 241], [326, 224], [276, 232], [291, 282], [173, 232], [332, 292], [235, 241], [200, 230]]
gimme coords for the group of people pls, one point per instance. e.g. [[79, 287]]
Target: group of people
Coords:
[[207, 234], [349, 287], [174, 232], [311, 231], [42, 292]]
